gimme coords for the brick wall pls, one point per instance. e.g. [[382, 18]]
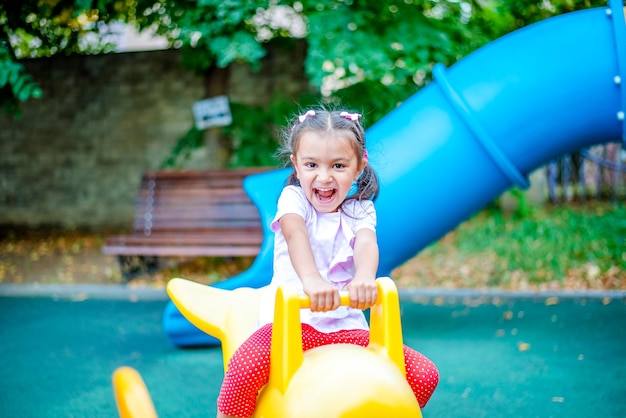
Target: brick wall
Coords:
[[76, 156]]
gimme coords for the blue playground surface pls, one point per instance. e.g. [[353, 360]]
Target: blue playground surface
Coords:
[[499, 356]]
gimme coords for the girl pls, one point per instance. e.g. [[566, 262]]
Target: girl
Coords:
[[325, 242]]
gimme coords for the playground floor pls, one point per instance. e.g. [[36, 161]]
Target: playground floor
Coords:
[[498, 355]]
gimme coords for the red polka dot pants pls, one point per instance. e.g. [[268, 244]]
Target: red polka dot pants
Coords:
[[248, 369]]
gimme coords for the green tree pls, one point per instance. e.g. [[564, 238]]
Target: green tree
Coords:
[[35, 28], [370, 54]]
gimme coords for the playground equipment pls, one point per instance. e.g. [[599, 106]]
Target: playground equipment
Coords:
[[480, 127], [341, 380], [131, 394]]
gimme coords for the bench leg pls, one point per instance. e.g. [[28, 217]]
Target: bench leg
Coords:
[[132, 266]]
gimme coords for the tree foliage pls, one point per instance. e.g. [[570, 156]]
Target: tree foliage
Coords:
[[376, 42], [371, 54], [15, 84], [35, 28]]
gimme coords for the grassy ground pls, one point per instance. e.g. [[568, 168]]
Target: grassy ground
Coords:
[[573, 247], [555, 247]]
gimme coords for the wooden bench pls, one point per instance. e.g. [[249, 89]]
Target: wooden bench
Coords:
[[199, 213]]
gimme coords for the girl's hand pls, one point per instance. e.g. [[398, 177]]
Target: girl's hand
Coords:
[[363, 292], [324, 296]]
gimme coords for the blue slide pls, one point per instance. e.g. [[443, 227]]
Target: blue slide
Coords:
[[481, 127]]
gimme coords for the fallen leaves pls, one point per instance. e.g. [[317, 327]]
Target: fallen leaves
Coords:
[[50, 256], [62, 256]]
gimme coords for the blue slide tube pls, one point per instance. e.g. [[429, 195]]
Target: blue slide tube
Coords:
[[480, 127]]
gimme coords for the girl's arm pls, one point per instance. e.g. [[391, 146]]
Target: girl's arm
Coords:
[[362, 288], [324, 296]]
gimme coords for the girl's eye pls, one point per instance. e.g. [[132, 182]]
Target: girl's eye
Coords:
[[309, 165], [339, 166]]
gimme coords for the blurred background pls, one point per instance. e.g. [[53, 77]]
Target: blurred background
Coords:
[[94, 94]]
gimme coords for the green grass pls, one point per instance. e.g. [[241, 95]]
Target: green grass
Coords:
[[550, 242], [575, 246]]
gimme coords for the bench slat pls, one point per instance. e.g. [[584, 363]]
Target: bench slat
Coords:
[[189, 251], [251, 237]]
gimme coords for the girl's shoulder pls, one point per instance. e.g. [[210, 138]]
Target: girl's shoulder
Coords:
[[293, 189], [293, 200], [294, 194]]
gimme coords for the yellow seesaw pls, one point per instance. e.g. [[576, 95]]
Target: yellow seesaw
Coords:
[[341, 380]]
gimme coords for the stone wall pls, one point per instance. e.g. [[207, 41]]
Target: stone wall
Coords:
[[76, 156]]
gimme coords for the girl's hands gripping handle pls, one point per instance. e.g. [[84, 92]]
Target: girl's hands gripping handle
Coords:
[[330, 299]]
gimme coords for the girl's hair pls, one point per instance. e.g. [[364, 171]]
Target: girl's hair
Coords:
[[333, 122]]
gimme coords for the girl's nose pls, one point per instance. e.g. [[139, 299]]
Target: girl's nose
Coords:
[[325, 175]]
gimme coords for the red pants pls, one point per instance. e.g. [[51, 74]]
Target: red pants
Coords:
[[249, 368]]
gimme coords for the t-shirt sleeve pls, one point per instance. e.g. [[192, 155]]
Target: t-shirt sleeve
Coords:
[[291, 200]]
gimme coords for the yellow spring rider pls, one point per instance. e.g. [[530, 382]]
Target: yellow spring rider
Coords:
[[340, 380]]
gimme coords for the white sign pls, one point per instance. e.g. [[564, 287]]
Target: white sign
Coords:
[[212, 112]]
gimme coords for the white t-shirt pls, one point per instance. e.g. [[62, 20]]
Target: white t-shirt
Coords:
[[332, 241]]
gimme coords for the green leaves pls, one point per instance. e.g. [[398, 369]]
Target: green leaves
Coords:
[[218, 32], [15, 84], [239, 47]]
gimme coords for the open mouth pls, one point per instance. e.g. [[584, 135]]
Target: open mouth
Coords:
[[324, 195]]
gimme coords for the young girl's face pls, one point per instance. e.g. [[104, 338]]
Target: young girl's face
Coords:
[[326, 167]]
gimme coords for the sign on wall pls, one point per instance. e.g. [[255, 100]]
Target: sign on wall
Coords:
[[212, 112]]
